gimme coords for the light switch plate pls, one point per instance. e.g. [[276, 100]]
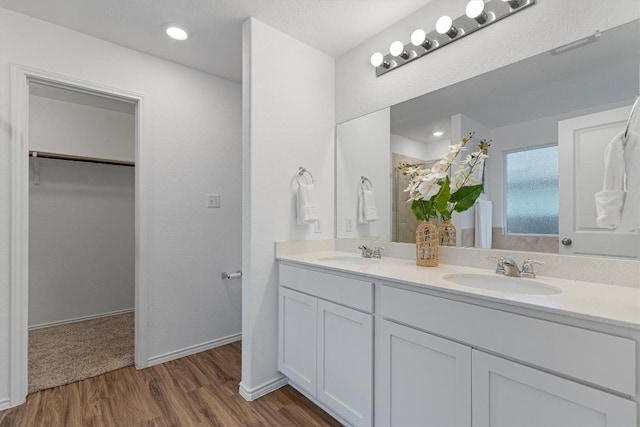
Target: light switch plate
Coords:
[[213, 200]]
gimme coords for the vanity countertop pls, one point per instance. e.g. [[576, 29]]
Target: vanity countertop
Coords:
[[616, 305]]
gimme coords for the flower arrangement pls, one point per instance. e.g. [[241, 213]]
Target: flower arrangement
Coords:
[[433, 192]]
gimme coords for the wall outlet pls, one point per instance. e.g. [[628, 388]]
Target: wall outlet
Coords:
[[213, 200], [318, 226], [349, 225]]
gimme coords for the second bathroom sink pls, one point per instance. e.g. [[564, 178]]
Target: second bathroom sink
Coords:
[[514, 285]]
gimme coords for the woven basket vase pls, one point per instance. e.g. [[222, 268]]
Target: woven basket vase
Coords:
[[427, 244], [447, 233]]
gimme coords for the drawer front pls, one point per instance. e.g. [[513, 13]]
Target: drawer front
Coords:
[[594, 357], [342, 290]]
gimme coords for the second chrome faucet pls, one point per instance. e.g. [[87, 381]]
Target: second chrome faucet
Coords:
[[509, 267]]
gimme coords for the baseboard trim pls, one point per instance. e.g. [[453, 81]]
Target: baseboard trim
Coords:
[[5, 404], [80, 319], [261, 390], [187, 351]]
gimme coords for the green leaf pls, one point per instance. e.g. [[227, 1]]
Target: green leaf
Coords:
[[423, 210], [441, 200], [465, 197]]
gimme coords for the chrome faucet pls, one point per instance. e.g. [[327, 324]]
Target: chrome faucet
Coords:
[[511, 268], [377, 252], [367, 252], [527, 268]]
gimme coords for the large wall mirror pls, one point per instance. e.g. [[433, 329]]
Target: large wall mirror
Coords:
[[549, 117]]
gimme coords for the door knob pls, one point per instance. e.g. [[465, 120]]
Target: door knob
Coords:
[[566, 241]]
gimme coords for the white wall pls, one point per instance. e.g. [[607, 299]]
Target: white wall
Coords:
[[288, 121], [417, 149], [72, 126], [81, 241], [461, 125], [546, 25], [81, 215], [190, 146], [363, 149]]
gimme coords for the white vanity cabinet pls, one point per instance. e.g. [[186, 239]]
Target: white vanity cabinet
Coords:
[[448, 360], [421, 376], [297, 353], [326, 348], [421, 379], [510, 394]]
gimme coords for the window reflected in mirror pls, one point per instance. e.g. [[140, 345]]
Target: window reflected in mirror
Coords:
[[531, 196]]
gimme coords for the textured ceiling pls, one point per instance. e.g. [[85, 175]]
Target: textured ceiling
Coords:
[[332, 26]]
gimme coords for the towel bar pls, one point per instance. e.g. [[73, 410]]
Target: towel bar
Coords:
[[226, 275]]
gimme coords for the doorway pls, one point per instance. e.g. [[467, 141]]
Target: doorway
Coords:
[[81, 235], [29, 169], [581, 146]]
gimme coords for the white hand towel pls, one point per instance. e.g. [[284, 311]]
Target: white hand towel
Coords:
[[366, 206], [483, 229], [610, 201], [307, 208], [369, 204], [630, 220]]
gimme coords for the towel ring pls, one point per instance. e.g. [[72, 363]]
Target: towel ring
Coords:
[[634, 110], [364, 180], [301, 172]]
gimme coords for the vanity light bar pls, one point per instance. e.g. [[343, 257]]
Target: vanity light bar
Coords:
[[421, 43]]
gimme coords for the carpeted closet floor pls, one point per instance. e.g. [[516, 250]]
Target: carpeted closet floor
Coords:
[[64, 354]]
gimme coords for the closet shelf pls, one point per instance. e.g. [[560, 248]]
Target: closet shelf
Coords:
[[58, 156]]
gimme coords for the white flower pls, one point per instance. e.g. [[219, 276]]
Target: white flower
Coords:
[[425, 184], [439, 170], [428, 189]]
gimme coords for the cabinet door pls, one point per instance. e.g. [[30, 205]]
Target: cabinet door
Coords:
[[345, 362], [509, 394], [422, 380], [297, 338]]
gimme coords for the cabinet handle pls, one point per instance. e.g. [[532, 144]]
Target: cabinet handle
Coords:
[[566, 241]]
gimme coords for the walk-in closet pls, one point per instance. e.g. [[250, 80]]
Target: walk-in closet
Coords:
[[81, 234]]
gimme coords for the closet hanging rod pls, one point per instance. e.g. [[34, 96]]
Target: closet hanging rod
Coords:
[[57, 156]]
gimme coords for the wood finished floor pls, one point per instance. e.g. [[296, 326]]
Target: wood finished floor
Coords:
[[197, 390]]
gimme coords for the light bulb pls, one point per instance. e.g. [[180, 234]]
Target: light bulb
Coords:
[[438, 133], [377, 59], [418, 36], [396, 48], [475, 10], [444, 25], [176, 32]]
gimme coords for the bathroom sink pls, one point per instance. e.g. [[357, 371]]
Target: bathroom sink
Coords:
[[513, 285], [351, 260]]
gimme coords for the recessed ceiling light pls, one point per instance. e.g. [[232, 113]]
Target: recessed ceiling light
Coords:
[[175, 31], [438, 133]]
